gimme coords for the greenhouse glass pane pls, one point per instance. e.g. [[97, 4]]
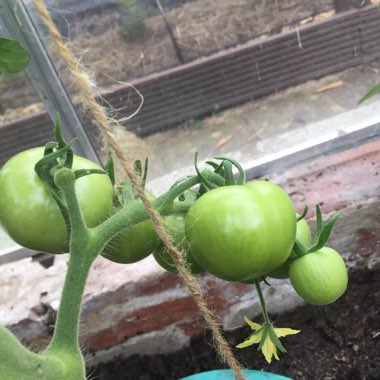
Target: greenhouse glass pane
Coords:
[[244, 79]]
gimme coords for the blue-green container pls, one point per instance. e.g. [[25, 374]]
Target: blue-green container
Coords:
[[227, 374]]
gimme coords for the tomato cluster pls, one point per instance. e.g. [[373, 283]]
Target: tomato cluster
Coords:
[[240, 232]]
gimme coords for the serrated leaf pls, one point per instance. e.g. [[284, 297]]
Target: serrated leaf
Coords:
[[13, 57]]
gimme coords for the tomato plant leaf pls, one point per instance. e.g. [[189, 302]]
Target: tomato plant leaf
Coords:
[[373, 91], [13, 57]]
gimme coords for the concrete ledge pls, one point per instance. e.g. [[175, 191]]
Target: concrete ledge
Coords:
[[139, 308]]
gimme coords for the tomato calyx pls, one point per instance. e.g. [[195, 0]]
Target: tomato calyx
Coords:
[[223, 174], [59, 154], [323, 232], [55, 168]]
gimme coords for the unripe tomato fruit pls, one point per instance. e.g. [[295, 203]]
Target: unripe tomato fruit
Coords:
[[132, 244], [319, 277], [31, 216], [303, 234], [242, 232], [175, 225]]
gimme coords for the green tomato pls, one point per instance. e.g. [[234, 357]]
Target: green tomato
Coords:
[[132, 244], [303, 234], [31, 216], [175, 225], [239, 233], [319, 277]]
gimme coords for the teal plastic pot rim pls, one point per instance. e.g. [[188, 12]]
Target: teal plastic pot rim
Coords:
[[227, 374]]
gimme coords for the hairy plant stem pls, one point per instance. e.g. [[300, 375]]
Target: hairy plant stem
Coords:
[[80, 259], [87, 243]]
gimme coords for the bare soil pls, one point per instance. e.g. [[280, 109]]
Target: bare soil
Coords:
[[340, 341]]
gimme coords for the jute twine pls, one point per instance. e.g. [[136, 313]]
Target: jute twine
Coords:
[[89, 95]]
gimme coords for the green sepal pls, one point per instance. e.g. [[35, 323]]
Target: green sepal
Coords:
[[58, 131], [126, 191], [137, 167], [206, 185], [125, 194], [241, 180], [144, 173], [304, 213], [324, 234], [141, 171], [84, 172], [228, 173], [50, 147], [44, 165], [218, 167], [68, 159], [318, 214], [299, 249], [258, 331], [275, 340], [264, 336], [109, 167]]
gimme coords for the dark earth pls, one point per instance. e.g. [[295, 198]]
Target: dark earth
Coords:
[[339, 341]]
